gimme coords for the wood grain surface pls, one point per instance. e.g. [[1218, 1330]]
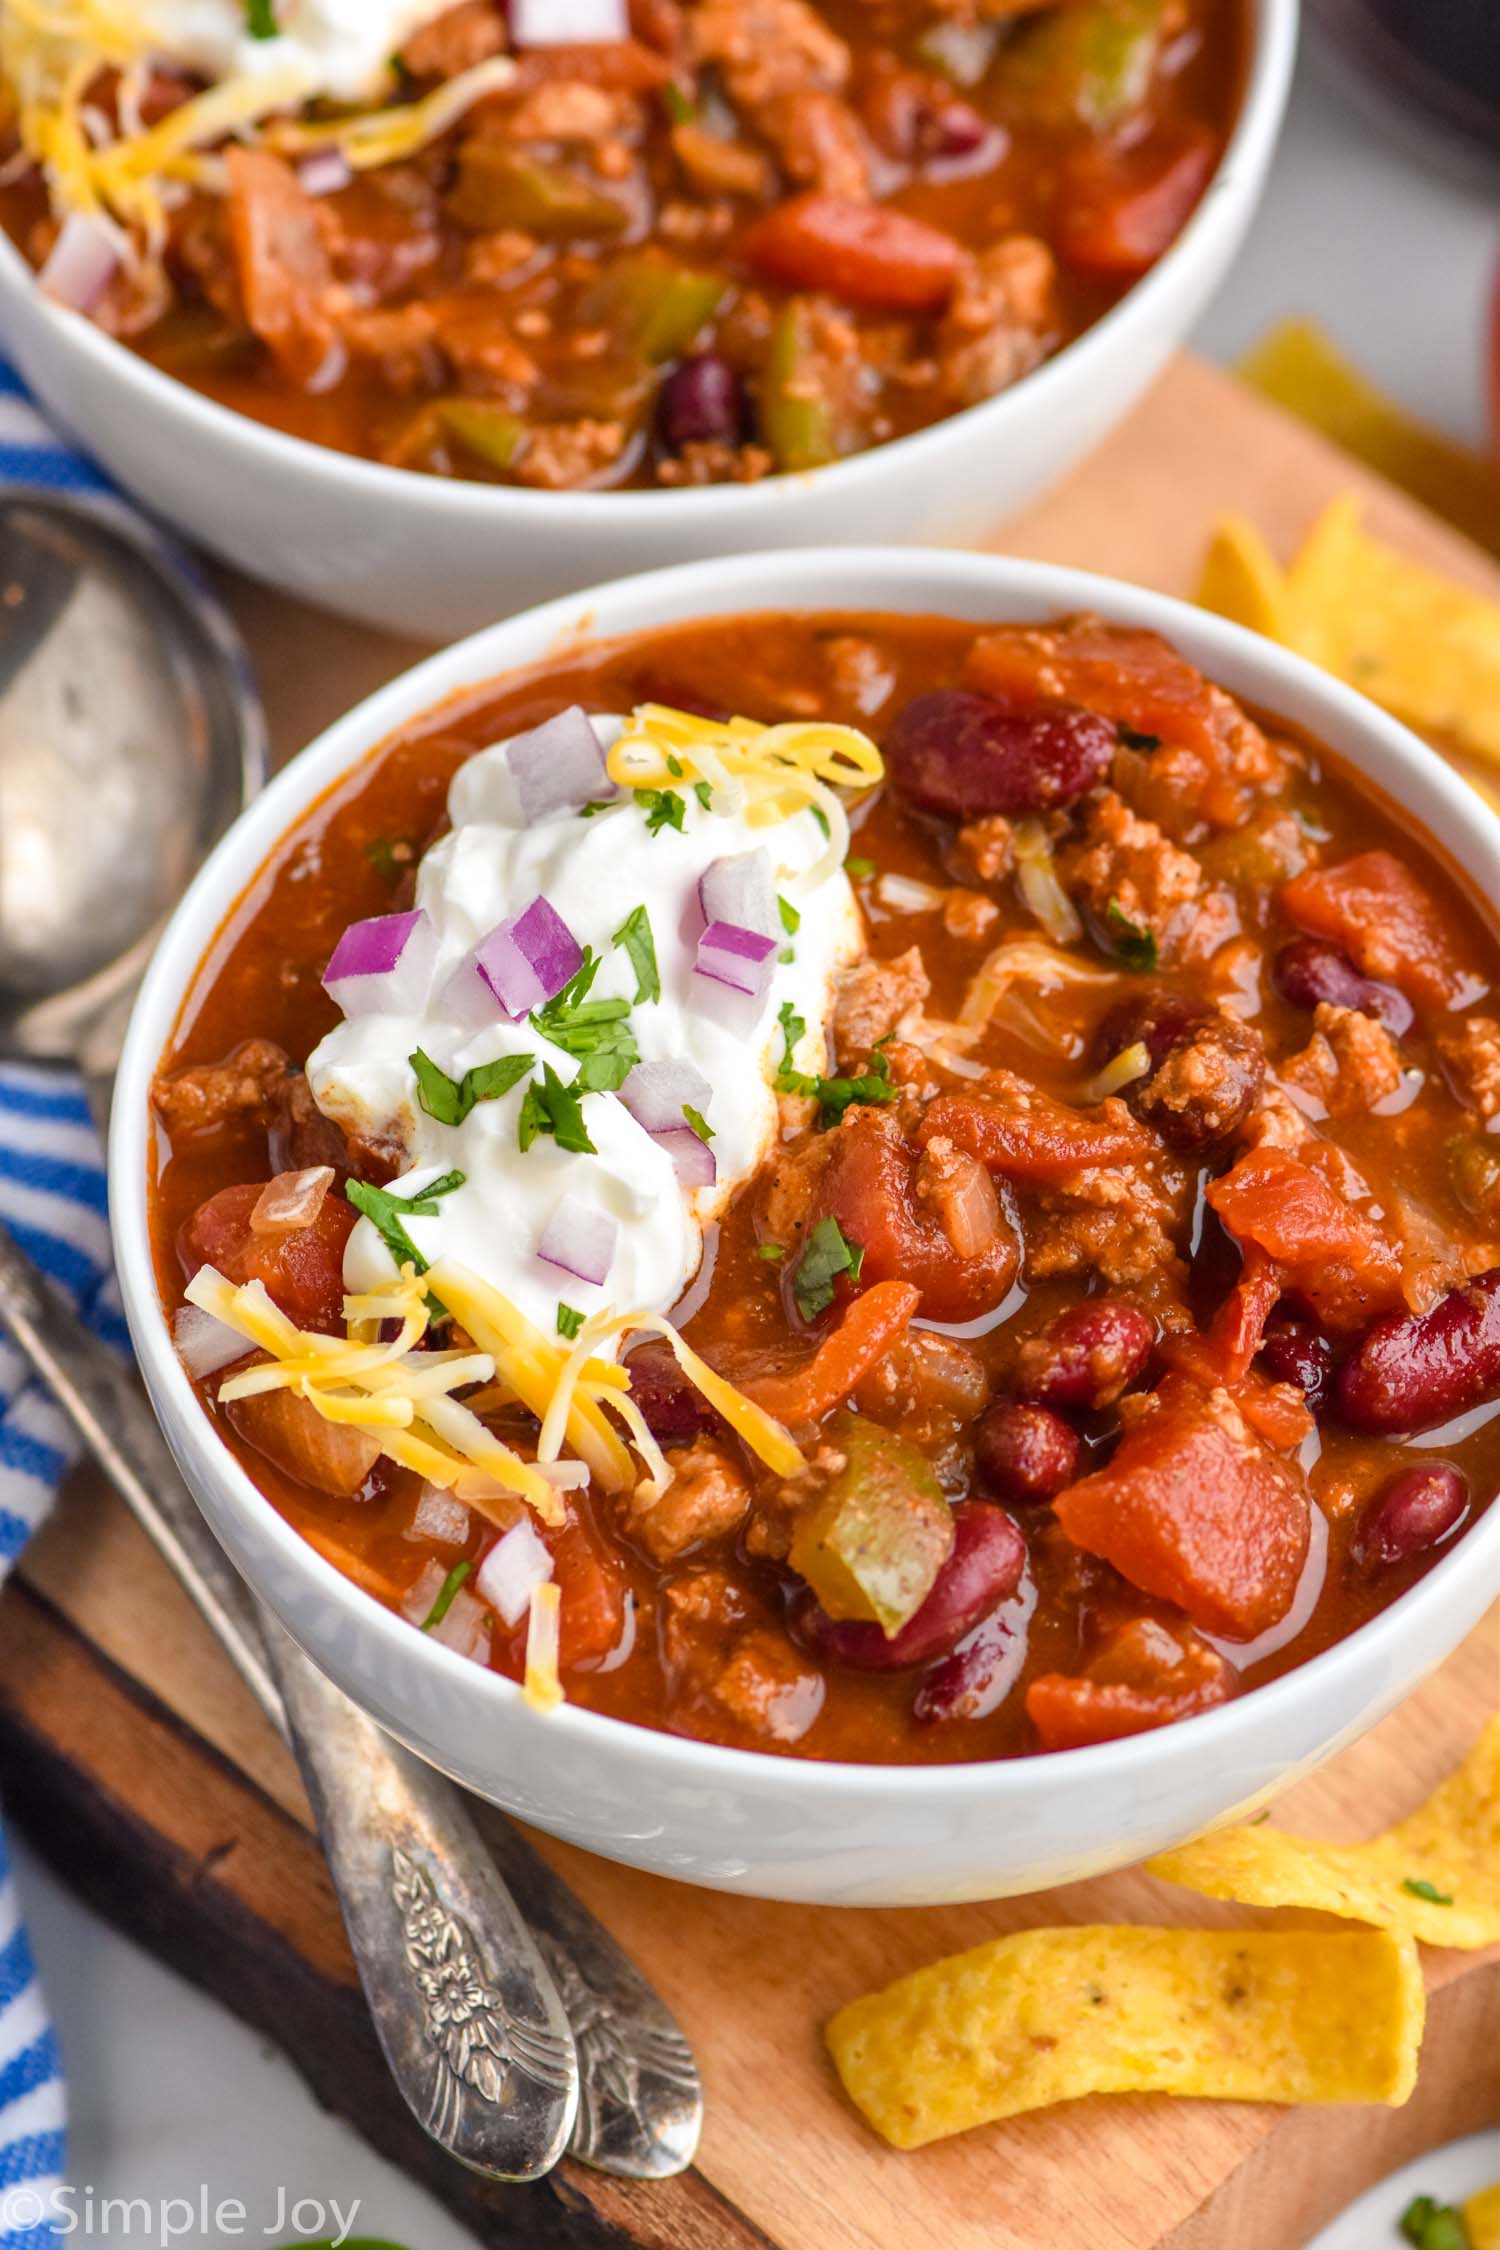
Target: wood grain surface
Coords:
[[129, 1751]]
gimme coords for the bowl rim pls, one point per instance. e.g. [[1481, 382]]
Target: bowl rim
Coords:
[[1271, 44], [793, 580]]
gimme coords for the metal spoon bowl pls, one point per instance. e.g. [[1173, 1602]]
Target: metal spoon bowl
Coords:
[[130, 736]]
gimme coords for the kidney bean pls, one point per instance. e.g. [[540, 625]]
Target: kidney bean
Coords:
[[1207, 1068], [1294, 1351], [1307, 971], [983, 1569], [1025, 1453], [674, 1409], [1086, 1355], [979, 1674], [1410, 1370], [1415, 1511], [967, 756], [701, 401]]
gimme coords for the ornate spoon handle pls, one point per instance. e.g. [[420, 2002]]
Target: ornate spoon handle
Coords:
[[641, 2103]]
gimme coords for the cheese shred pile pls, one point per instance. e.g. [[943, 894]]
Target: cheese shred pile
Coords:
[[402, 1394], [101, 160]]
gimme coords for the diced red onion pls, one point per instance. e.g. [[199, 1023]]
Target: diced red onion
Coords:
[[516, 1564], [204, 1344], [656, 1094], [325, 172], [693, 1160], [559, 765], [567, 23], [741, 890], [439, 1516], [743, 959], [291, 1200], [523, 963], [383, 966], [466, 1628], [580, 1239], [82, 263]]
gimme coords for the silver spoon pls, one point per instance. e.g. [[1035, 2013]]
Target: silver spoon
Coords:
[[130, 734]]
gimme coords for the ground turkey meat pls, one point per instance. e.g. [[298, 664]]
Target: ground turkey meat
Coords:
[[1128, 873], [706, 1499], [873, 997], [1472, 1054], [206, 1096], [987, 847], [466, 35], [765, 48], [729, 1673], [820, 142], [559, 455], [1120, 1225], [1001, 321], [1350, 1063]]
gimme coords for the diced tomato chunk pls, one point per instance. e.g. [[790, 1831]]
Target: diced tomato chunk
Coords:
[[1195, 1510], [1388, 923], [869, 1185], [1135, 678], [282, 260], [303, 1271], [591, 1578], [1324, 1247], [1119, 209], [1038, 1138], [862, 252], [1147, 1676]]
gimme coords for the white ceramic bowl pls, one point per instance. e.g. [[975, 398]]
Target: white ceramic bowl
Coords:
[[436, 558], [737, 1820]]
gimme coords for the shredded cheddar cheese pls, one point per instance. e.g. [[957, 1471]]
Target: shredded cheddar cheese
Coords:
[[769, 772], [543, 1687]]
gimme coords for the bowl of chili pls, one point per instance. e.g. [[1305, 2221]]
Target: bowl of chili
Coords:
[[1114, 1262], [524, 318]]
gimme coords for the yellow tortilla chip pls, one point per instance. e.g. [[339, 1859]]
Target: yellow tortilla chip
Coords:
[[1426, 649], [1243, 581], [1299, 368], [1481, 2217], [1046, 2015], [1435, 1876]]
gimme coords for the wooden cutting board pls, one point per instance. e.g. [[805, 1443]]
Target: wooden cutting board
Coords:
[[142, 1770]]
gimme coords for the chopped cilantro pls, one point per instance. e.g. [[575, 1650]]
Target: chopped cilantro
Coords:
[[260, 19], [825, 1256], [1133, 943], [698, 1122], [704, 795], [859, 868], [634, 934], [674, 768], [594, 1032], [1133, 739], [771, 1251], [835, 1095], [1260, 1819], [446, 1592], [569, 1321], [677, 104], [597, 805], [792, 1028], [1431, 2225], [1417, 1886], [820, 817], [663, 808], [386, 1211], [787, 956], [791, 920], [388, 858], [450, 1100], [554, 1108]]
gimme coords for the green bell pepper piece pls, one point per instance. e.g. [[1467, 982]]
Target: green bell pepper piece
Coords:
[[1089, 65], [653, 305], [499, 187], [487, 431], [796, 411], [872, 1545]]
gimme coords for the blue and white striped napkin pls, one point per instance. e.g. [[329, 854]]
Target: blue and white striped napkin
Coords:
[[53, 1201]]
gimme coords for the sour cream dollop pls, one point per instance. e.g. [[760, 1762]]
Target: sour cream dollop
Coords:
[[594, 872], [342, 48]]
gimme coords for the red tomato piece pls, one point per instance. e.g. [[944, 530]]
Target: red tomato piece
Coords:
[[303, 1272], [1134, 678], [591, 1619], [861, 252], [1035, 1138], [1195, 1510], [1387, 921], [1148, 1675], [869, 1186], [1323, 1247], [1119, 209]]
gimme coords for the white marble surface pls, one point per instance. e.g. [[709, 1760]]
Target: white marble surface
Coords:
[[170, 2096]]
